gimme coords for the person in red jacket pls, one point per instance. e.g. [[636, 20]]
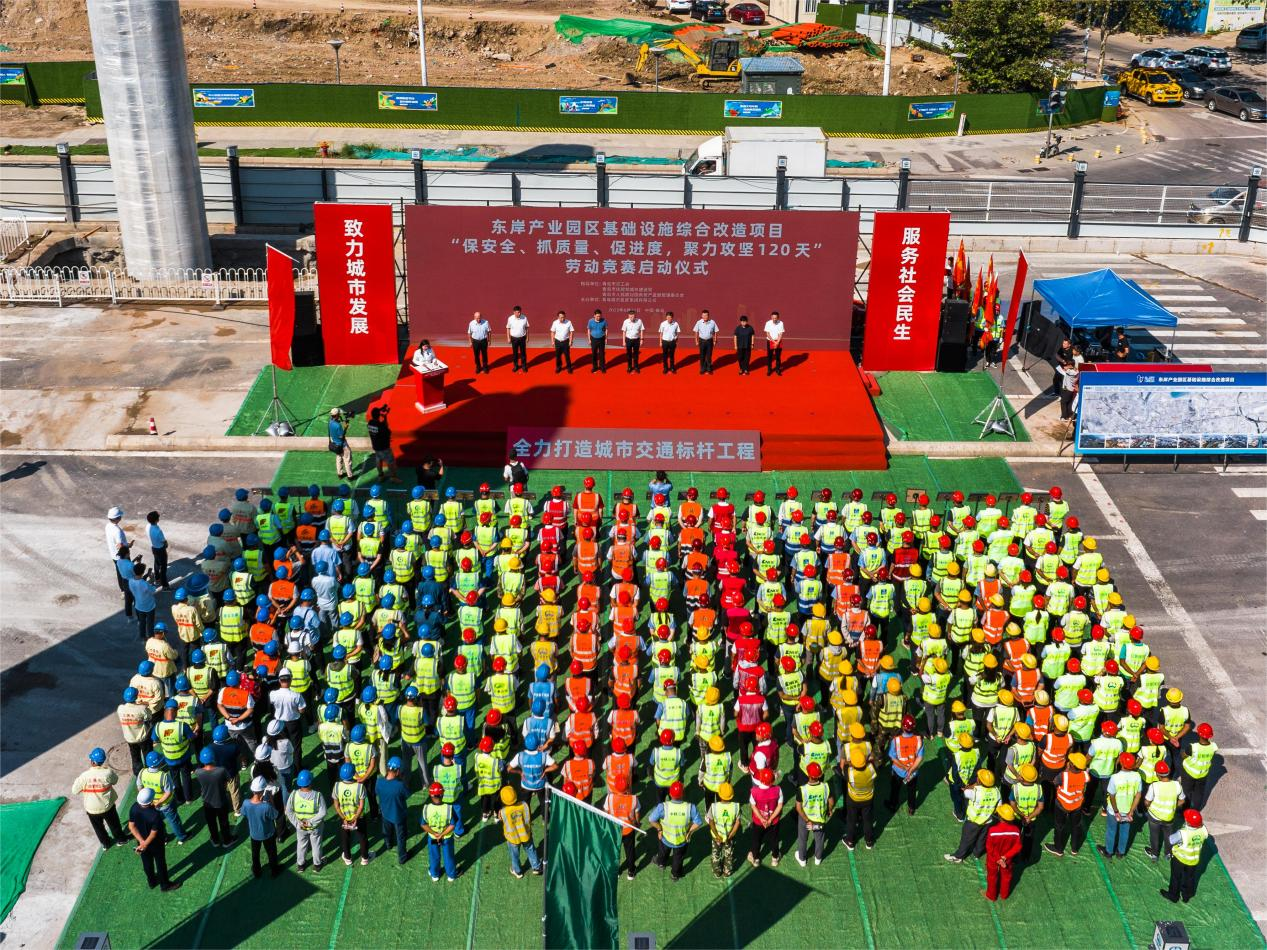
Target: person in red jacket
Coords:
[[1002, 845]]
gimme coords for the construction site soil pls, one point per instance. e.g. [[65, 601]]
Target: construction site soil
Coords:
[[489, 43]]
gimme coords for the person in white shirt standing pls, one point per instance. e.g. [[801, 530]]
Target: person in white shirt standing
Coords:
[[158, 547], [562, 331], [633, 329], [705, 337], [119, 548], [669, 330], [517, 337], [478, 330], [774, 344]]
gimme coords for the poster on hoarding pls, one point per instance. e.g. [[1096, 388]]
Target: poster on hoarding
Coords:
[[904, 296], [356, 278], [224, 98], [12, 76], [588, 105], [920, 111], [410, 101], [752, 109]]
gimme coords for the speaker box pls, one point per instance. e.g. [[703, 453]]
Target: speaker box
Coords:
[[306, 349], [952, 343]]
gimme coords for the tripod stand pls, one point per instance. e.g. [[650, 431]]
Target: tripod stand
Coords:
[[996, 417], [283, 419]]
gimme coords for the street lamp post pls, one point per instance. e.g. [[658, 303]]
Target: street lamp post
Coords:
[[422, 45], [888, 49], [335, 44], [656, 53], [958, 58]]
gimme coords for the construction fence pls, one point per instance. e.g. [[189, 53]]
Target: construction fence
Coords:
[[61, 285]]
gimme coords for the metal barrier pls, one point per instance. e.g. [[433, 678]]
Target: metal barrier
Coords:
[[13, 234], [57, 285]]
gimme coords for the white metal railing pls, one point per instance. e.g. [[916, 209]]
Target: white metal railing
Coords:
[[13, 234], [61, 284]]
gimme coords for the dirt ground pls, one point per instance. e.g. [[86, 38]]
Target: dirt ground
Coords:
[[469, 43]]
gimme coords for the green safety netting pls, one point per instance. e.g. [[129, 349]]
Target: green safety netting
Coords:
[[576, 29], [22, 827]]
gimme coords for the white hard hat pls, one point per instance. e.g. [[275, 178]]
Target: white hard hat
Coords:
[[145, 796], [259, 783], [275, 727], [263, 751], [115, 512]]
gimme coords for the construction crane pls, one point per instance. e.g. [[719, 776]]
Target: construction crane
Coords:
[[721, 64]]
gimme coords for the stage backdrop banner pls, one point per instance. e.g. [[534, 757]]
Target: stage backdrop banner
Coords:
[[718, 450], [465, 258], [908, 268], [357, 281], [281, 305]]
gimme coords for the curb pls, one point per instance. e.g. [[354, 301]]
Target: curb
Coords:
[[968, 450]]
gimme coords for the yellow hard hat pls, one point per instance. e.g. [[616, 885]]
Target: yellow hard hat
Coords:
[[701, 663], [1060, 722], [991, 570], [996, 600], [893, 686], [1042, 697], [711, 696], [1152, 664], [940, 665], [958, 707], [964, 597], [508, 600], [916, 570], [1029, 661], [934, 632], [886, 662], [965, 741], [850, 697], [1006, 812], [716, 744], [1128, 621], [819, 611], [1005, 697], [701, 633], [857, 731], [500, 625], [507, 795], [834, 638], [1102, 575], [725, 791], [1023, 731], [858, 759], [1013, 629], [978, 635], [514, 563], [1089, 544], [1174, 695], [953, 568], [845, 668], [985, 777], [1115, 599], [548, 595], [990, 661], [505, 544], [1077, 760], [1028, 773], [924, 605]]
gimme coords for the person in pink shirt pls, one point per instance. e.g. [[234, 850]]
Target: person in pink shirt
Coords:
[[767, 808]]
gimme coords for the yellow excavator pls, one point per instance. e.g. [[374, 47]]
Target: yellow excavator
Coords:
[[722, 62]]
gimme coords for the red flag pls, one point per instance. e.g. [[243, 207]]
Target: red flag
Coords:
[[281, 306], [1014, 305], [976, 298], [959, 275]]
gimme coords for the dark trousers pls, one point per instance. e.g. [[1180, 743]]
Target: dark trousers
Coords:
[[1027, 840], [480, 349], [519, 353], [630, 846], [705, 356], [294, 731], [217, 820], [562, 355], [395, 834], [668, 349], [745, 358], [598, 355], [139, 751], [1069, 828], [348, 835], [107, 821], [858, 814], [774, 359], [971, 840], [160, 566], [1194, 790], [154, 860], [127, 591], [1183, 881], [896, 786], [633, 349], [1067, 396], [270, 846], [673, 856], [767, 836]]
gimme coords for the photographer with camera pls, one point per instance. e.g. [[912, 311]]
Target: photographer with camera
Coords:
[[381, 442]]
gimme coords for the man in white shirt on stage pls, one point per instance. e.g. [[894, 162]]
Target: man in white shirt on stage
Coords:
[[632, 329], [705, 337], [517, 337], [774, 344], [478, 330], [561, 331], [669, 330]]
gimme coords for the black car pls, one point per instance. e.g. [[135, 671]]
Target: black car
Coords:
[[1240, 101], [708, 11], [1193, 84]]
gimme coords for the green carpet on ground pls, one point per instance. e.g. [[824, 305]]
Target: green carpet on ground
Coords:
[[309, 393], [939, 407], [22, 828]]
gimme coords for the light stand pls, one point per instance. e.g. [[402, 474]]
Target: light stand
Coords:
[[283, 419]]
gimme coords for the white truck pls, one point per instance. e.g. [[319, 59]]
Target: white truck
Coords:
[[755, 153]]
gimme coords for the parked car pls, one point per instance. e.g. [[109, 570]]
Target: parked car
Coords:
[[1152, 85], [1193, 84], [1253, 39], [1209, 60], [1223, 206], [679, 6], [749, 14], [1240, 101], [708, 11], [1162, 58]]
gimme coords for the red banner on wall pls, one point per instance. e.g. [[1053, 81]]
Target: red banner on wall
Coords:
[[1013, 306], [280, 278], [904, 296], [356, 277], [591, 449], [466, 258]]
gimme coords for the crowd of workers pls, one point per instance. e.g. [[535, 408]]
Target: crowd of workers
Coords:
[[791, 654]]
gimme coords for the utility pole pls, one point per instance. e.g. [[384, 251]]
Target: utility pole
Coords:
[[888, 49], [422, 45]]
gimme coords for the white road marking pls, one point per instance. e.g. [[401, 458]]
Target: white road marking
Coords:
[[1243, 471], [1183, 309], [1221, 346], [1256, 491], [1236, 705], [1259, 513], [1211, 321], [1217, 334], [1183, 297]]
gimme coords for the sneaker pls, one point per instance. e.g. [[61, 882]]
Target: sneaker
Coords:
[[953, 859], [435, 879], [628, 875], [517, 875], [774, 860], [1163, 892], [540, 870], [450, 880], [752, 859], [364, 861], [675, 877], [316, 868], [1051, 849], [870, 845], [817, 861], [800, 860], [849, 845], [175, 886], [1151, 853], [1073, 854], [300, 868], [1102, 850], [348, 862]]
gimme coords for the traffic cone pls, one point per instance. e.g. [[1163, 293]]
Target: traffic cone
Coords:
[[153, 426]]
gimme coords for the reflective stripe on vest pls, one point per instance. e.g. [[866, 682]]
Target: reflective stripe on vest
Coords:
[[982, 806], [1199, 759], [1165, 800], [1188, 850], [667, 765], [814, 802], [675, 823]]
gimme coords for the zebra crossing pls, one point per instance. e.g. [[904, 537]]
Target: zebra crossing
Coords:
[[1217, 326], [1250, 494], [1195, 163]]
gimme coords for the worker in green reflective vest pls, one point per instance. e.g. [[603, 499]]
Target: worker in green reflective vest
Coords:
[[1185, 855], [674, 821]]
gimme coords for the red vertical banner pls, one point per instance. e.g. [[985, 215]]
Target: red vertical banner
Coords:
[[280, 279], [1014, 306], [908, 264], [356, 277]]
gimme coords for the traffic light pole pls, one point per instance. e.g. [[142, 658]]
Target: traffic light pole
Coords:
[[1051, 117]]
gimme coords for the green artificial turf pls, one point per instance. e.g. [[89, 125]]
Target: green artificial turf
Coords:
[[939, 407], [309, 393]]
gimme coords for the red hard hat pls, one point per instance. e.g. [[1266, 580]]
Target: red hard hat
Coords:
[[923, 499], [1080, 603], [814, 770], [578, 745], [1155, 736], [899, 518], [768, 547], [956, 496], [908, 723], [792, 492], [1085, 696], [499, 664], [1026, 577], [1161, 768], [816, 729], [626, 492], [1071, 523], [664, 656], [624, 701], [466, 566], [575, 668], [1040, 601], [760, 517], [569, 788], [1192, 818], [662, 604], [588, 481], [779, 600], [618, 783], [1134, 707], [434, 789], [788, 664], [450, 704], [619, 745], [447, 750], [935, 521], [468, 636], [978, 546], [675, 791], [582, 704], [1108, 727], [1126, 760], [486, 744], [1205, 730], [1055, 492], [968, 520], [811, 570], [1110, 667], [459, 662], [692, 493], [1058, 634], [765, 776], [908, 537], [722, 493], [1013, 550], [666, 737], [494, 717], [990, 500], [807, 702], [1137, 633], [1005, 522], [763, 730], [1062, 572]]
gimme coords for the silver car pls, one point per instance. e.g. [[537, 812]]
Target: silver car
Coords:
[[1207, 59], [1224, 205], [1240, 101], [1162, 58]]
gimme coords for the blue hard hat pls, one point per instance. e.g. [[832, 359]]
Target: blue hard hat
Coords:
[[209, 635], [427, 599], [337, 506], [241, 494], [340, 652], [330, 695], [207, 757], [160, 626], [270, 648], [358, 733], [97, 756], [239, 564], [197, 658], [208, 553], [180, 596], [307, 594], [279, 554], [399, 541], [153, 760], [406, 527], [220, 733], [450, 492], [346, 772], [216, 530], [261, 670], [411, 692], [262, 615], [345, 618], [224, 514], [543, 672], [323, 535], [428, 650], [362, 570], [347, 590], [283, 492], [171, 704], [314, 491], [384, 664], [182, 683], [389, 631], [438, 521], [303, 779], [424, 629], [531, 744], [145, 668], [393, 764], [227, 596], [294, 623], [389, 576], [367, 512], [539, 707], [331, 712], [388, 600], [376, 490], [261, 600], [369, 694], [282, 572], [435, 544], [234, 678], [416, 492], [252, 540], [266, 506], [130, 694], [345, 491]]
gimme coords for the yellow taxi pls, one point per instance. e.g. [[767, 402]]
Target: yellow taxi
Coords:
[[1152, 85]]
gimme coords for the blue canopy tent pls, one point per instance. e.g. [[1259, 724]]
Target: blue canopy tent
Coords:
[[1103, 299]]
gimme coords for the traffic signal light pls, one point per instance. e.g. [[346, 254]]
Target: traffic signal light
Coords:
[[1056, 101]]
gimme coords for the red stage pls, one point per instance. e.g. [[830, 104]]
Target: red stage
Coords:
[[817, 415]]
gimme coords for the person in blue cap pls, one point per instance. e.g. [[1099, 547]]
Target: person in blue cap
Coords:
[[228, 755], [175, 740], [306, 811], [155, 779], [349, 801], [135, 721], [392, 793], [337, 436], [96, 784]]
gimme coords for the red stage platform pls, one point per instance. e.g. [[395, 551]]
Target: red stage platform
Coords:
[[817, 415]]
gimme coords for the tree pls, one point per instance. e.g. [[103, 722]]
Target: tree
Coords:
[[1009, 44]]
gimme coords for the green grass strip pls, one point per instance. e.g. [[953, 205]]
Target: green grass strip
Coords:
[[1117, 904], [475, 892], [211, 900], [950, 430], [862, 904], [338, 913], [994, 911]]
